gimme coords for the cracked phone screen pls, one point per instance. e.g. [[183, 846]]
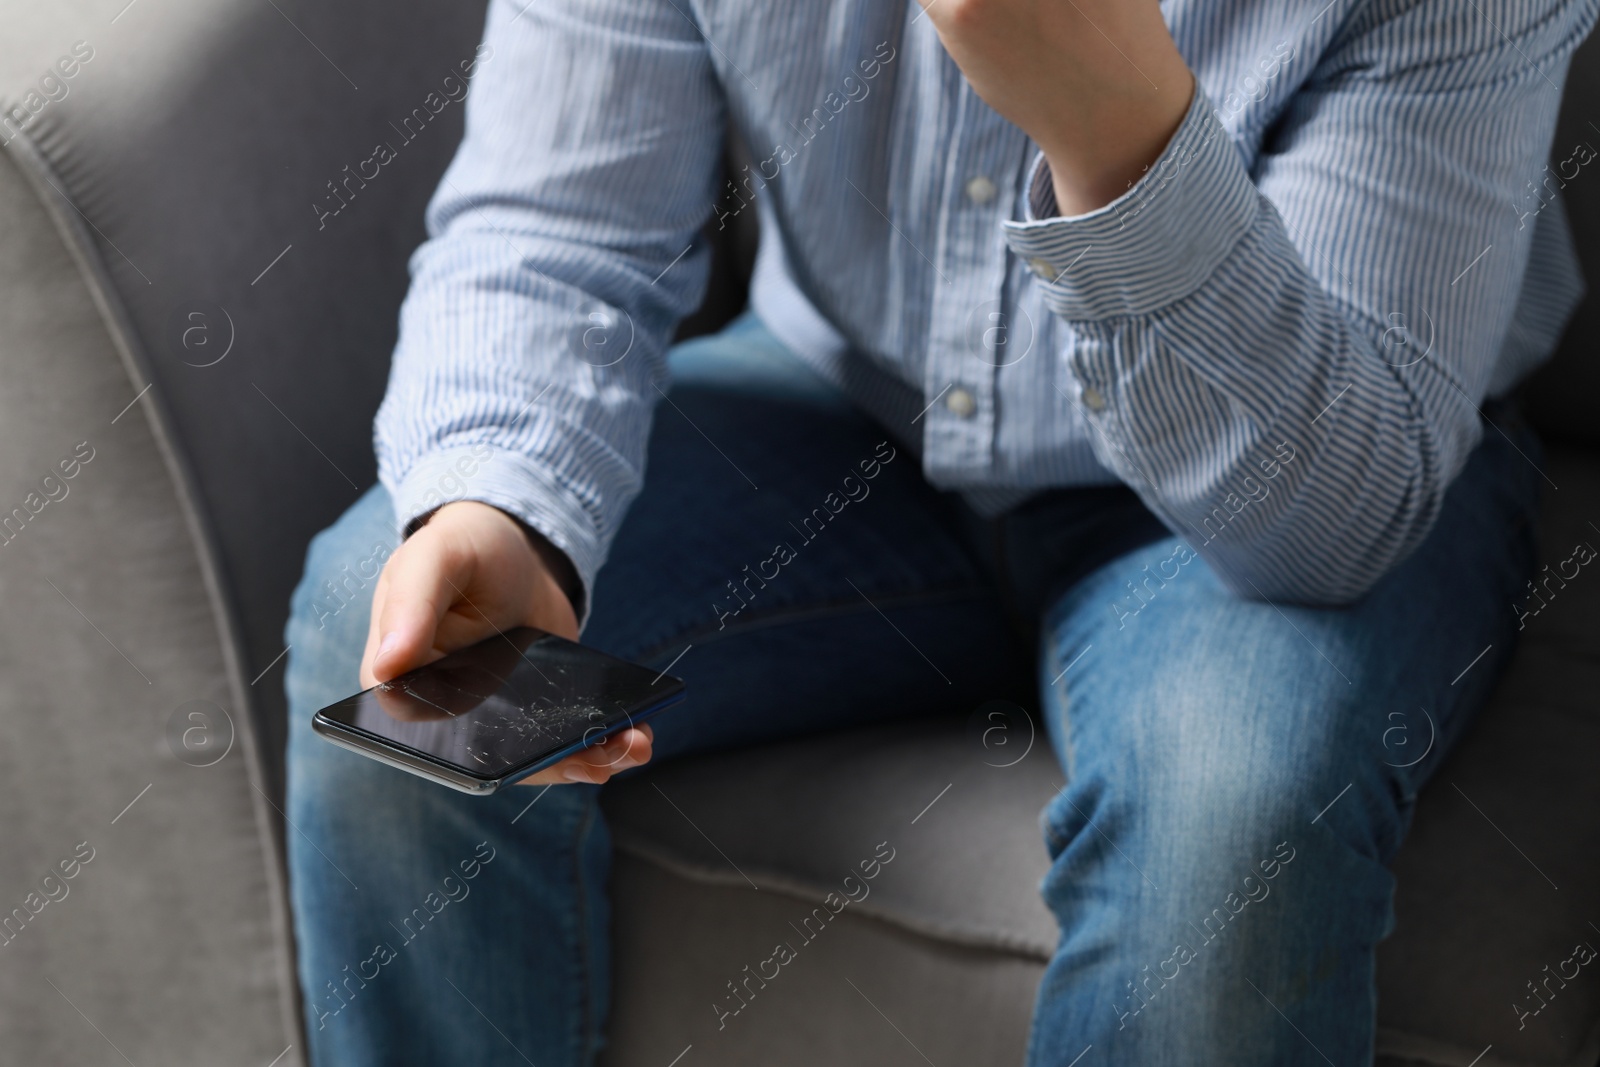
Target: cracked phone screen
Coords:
[[505, 702]]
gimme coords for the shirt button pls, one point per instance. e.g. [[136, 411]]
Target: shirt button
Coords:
[[980, 190], [1093, 400], [960, 403], [1043, 268]]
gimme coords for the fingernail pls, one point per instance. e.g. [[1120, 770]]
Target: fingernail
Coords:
[[575, 775], [390, 641]]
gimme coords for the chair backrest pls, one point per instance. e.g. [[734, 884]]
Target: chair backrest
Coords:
[[1563, 397], [198, 295], [213, 155]]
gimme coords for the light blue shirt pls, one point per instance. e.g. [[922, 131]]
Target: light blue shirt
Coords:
[[1280, 336]]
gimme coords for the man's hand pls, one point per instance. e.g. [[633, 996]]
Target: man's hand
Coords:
[[469, 572], [1098, 84]]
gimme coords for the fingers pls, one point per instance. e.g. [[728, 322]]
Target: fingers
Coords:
[[612, 755], [418, 587], [470, 571], [596, 764]]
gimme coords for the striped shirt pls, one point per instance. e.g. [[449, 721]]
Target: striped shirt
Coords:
[[1279, 337]]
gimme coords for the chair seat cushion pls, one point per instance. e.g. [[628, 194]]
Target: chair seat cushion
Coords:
[[802, 815]]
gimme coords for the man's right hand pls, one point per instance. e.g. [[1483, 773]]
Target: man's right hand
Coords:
[[469, 572]]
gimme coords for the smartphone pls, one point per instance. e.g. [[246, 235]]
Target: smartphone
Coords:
[[497, 711]]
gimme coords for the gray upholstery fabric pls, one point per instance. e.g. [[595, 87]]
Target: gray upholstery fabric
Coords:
[[803, 814], [862, 991], [170, 944], [167, 174], [196, 142]]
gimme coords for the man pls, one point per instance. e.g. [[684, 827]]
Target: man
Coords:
[[1172, 338]]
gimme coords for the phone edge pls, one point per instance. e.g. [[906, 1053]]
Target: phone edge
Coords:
[[401, 759], [406, 760]]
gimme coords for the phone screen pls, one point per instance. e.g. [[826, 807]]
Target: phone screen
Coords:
[[506, 702]]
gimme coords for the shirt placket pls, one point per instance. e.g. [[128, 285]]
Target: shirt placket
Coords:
[[969, 321]]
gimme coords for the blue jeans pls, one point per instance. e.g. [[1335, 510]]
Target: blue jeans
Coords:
[[1239, 773]]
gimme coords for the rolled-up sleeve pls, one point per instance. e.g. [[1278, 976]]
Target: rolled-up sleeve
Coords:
[[1287, 363], [561, 254]]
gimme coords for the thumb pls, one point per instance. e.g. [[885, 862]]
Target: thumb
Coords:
[[419, 586]]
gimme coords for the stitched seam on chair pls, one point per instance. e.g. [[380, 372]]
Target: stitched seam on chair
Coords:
[[990, 940]]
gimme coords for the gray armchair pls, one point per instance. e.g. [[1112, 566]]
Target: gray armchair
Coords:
[[197, 305]]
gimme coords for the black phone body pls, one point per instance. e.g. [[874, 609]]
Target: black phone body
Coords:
[[495, 712]]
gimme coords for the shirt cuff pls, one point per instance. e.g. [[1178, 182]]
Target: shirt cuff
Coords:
[[1153, 245], [516, 485]]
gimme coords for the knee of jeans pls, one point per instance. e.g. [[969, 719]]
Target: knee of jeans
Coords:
[[1226, 777], [1197, 859]]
